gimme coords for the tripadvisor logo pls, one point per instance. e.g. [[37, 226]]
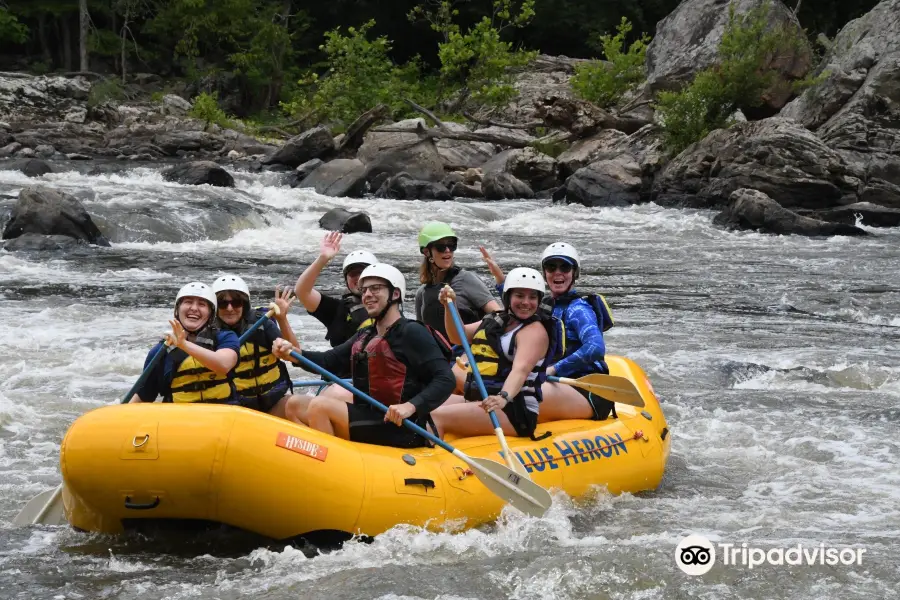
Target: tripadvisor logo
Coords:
[[696, 555]]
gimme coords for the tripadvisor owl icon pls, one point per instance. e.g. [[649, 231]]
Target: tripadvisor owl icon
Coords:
[[695, 555]]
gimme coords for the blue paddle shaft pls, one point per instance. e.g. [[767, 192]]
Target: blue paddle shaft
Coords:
[[253, 328], [312, 382], [334, 378], [472, 364], [146, 373]]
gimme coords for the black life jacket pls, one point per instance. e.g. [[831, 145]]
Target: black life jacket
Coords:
[[190, 381], [433, 310], [259, 374], [493, 364], [351, 316]]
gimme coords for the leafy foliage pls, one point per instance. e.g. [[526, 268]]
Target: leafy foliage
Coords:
[[10, 28], [206, 108], [604, 84], [737, 81]]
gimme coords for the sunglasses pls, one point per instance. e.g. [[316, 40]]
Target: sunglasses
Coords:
[[374, 288], [231, 303], [443, 247], [552, 267]]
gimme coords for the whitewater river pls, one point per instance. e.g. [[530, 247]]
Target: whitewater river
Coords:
[[776, 359]]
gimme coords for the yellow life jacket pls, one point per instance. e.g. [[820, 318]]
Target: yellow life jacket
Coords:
[[193, 382], [257, 371]]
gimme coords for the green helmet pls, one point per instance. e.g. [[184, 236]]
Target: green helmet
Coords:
[[434, 231]]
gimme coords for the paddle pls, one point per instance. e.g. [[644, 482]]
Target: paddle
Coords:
[[47, 507], [522, 493], [508, 456], [609, 387]]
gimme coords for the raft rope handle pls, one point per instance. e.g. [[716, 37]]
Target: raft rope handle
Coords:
[[638, 435]]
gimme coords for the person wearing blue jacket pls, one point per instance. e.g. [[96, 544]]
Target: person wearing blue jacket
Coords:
[[585, 319]]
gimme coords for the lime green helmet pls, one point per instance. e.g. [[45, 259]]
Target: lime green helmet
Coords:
[[434, 231]]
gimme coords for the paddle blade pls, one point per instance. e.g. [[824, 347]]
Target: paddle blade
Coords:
[[519, 491], [609, 387], [44, 509]]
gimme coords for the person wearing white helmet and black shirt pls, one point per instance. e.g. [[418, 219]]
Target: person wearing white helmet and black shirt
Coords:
[[261, 381], [585, 319], [340, 316], [511, 349], [197, 367], [397, 361]]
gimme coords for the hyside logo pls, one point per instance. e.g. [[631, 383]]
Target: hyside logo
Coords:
[[695, 555]]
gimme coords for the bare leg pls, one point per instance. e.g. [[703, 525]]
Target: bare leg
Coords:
[[467, 419], [296, 408], [330, 416], [278, 409], [338, 393], [460, 375], [563, 402]]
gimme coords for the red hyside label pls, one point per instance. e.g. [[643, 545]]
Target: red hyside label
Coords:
[[301, 446]]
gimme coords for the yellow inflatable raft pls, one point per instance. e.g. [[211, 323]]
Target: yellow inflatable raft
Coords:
[[272, 477]]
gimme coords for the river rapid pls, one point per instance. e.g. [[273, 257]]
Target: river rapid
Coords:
[[776, 359]]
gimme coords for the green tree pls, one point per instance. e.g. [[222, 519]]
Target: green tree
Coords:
[[10, 28], [361, 75], [477, 63], [604, 83]]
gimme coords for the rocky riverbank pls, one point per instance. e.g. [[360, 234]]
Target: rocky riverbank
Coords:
[[829, 155]]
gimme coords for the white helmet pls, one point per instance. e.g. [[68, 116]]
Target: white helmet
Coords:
[[564, 251], [198, 290], [358, 257], [523, 278], [230, 283], [385, 271]]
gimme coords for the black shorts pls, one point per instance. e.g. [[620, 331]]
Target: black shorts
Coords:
[[266, 402], [602, 408], [367, 426]]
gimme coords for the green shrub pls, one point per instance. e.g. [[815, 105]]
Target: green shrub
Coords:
[[604, 84], [360, 77], [105, 90], [206, 108], [737, 81]]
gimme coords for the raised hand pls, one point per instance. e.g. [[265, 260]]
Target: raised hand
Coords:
[[492, 265], [331, 244], [284, 297], [177, 336]]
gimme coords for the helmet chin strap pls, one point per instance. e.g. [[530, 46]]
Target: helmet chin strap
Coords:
[[390, 303]]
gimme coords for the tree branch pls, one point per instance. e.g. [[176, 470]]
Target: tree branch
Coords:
[[492, 123], [426, 112], [468, 136]]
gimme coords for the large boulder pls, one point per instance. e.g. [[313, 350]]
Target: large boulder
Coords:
[[585, 151], [34, 242], [545, 75], [313, 143], [341, 177], [174, 143], [504, 186], [856, 109], [199, 172], [754, 210], [776, 156], [45, 211], [863, 212], [687, 42], [403, 187], [341, 219], [610, 182], [533, 167], [460, 154], [31, 167], [394, 152], [40, 98]]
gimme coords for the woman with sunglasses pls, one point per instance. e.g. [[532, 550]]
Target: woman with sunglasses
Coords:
[[342, 316], [200, 356], [585, 319], [261, 381], [437, 243]]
